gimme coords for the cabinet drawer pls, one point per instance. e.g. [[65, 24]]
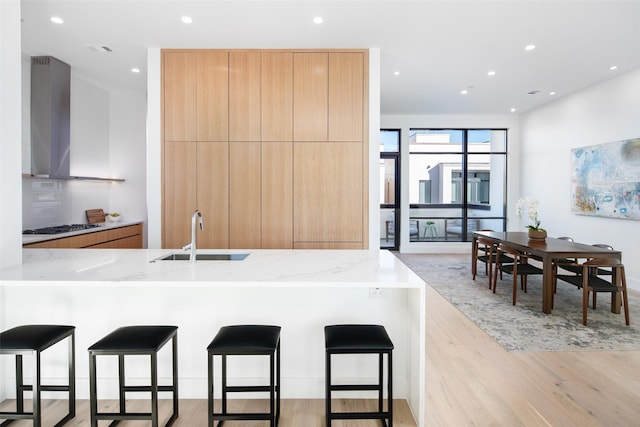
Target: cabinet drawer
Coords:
[[115, 238]]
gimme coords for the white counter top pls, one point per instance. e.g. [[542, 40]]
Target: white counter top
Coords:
[[284, 267]]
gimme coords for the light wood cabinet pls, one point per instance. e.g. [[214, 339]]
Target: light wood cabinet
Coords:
[[244, 195], [328, 192], [310, 96], [278, 157], [178, 193], [277, 96], [126, 237], [346, 96], [212, 194], [277, 195], [244, 96], [212, 94], [179, 96]]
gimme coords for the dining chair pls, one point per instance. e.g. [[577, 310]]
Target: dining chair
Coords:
[[519, 267], [590, 281], [488, 253], [574, 267]]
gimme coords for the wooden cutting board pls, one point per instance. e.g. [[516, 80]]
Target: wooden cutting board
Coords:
[[95, 215]]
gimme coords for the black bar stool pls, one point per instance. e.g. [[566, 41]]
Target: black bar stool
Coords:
[[360, 339], [254, 340], [32, 340], [134, 340]]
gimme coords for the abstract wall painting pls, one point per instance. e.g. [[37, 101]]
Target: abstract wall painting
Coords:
[[605, 180]]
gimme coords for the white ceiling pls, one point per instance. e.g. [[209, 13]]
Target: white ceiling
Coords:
[[439, 47]]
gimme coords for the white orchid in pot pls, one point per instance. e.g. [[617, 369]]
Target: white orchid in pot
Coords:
[[531, 206]]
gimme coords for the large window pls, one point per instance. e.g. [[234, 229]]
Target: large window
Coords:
[[457, 182], [389, 188]]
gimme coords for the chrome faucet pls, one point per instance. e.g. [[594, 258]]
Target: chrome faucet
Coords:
[[197, 216]]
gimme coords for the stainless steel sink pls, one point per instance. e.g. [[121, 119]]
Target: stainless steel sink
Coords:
[[179, 256]]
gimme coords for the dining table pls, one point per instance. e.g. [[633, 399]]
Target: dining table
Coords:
[[547, 251]]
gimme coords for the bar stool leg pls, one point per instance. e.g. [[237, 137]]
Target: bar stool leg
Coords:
[[272, 397], [390, 388], [154, 389], [37, 404], [224, 385], [72, 376], [121, 376], [175, 375], [19, 384], [278, 381], [210, 389], [380, 381], [327, 387], [93, 391]]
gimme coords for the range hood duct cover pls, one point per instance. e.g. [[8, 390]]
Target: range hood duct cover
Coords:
[[51, 120], [50, 117]]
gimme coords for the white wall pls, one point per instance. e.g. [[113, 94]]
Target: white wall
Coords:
[[604, 113], [10, 135], [406, 122], [128, 151]]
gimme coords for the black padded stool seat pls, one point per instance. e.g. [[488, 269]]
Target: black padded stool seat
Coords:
[[135, 340], [360, 339], [32, 340], [254, 340]]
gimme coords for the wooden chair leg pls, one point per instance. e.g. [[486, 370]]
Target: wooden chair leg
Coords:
[[585, 303]]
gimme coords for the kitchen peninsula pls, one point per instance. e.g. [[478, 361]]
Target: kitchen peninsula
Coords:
[[300, 290]]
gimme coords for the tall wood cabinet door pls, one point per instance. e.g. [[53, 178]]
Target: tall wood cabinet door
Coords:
[[277, 195], [328, 192], [310, 96], [212, 96], [346, 96], [179, 193], [244, 96], [179, 96], [213, 194], [277, 96], [244, 195]]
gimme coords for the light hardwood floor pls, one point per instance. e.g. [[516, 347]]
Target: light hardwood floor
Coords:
[[471, 380]]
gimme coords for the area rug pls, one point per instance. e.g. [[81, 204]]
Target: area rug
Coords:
[[524, 327]]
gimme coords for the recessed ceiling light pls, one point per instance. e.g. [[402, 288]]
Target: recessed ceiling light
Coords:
[[57, 20], [491, 73], [552, 93], [396, 73], [464, 92], [318, 20], [613, 67], [513, 110], [187, 19], [135, 70], [530, 47]]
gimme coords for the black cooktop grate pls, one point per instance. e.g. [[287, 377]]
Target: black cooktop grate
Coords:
[[60, 229]]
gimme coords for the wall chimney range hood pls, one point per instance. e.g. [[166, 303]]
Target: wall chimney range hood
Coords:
[[50, 120]]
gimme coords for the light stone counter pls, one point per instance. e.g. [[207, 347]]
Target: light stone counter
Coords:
[[300, 290]]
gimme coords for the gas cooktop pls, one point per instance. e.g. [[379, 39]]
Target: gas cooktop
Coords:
[[60, 229]]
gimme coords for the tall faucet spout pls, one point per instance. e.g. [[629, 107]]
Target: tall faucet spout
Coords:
[[195, 218]]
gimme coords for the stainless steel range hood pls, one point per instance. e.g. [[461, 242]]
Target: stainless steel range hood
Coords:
[[50, 120]]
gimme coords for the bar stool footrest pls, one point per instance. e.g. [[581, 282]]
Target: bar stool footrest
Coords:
[[241, 416], [359, 415], [142, 388], [356, 387], [244, 388]]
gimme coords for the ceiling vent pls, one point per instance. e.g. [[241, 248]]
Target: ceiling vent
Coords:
[[99, 48]]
